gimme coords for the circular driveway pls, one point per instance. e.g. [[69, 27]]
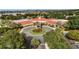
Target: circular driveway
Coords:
[[27, 30]]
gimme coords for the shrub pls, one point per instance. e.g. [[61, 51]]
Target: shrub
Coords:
[[73, 34], [11, 40], [56, 40], [35, 43], [37, 30], [72, 24]]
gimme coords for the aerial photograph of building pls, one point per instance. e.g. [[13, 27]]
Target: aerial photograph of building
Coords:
[[39, 29]]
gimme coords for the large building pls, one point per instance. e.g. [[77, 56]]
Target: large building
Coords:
[[25, 22]]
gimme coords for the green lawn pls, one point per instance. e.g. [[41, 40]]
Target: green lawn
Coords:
[[37, 33], [44, 30]]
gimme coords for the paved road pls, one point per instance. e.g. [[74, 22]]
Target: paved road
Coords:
[[41, 46]]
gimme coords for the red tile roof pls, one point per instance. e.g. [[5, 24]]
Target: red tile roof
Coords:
[[39, 19], [26, 21], [23, 22], [51, 22]]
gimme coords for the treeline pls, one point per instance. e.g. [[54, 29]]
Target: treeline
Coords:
[[22, 16], [58, 14]]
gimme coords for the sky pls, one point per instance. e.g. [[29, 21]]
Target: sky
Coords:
[[39, 4]]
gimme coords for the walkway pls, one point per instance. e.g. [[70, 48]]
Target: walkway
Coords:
[[41, 46]]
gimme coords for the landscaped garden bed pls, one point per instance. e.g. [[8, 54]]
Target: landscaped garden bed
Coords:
[[73, 38], [38, 31], [32, 30], [73, 35]]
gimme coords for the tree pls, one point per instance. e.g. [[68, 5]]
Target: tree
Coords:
[[72, 24], [5, 23], [56, 40], [4, 26], [35, 43], [12, 40], [15, 25]]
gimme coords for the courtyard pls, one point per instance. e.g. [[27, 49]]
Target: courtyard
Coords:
[[30, 32]]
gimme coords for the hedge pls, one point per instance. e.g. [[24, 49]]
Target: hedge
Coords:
[[73, 35]]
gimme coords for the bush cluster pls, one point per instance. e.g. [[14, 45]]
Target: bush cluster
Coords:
[[56, 40], [72, 24], [11, 39], [73, 34], [35, 43], [37, 30]]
